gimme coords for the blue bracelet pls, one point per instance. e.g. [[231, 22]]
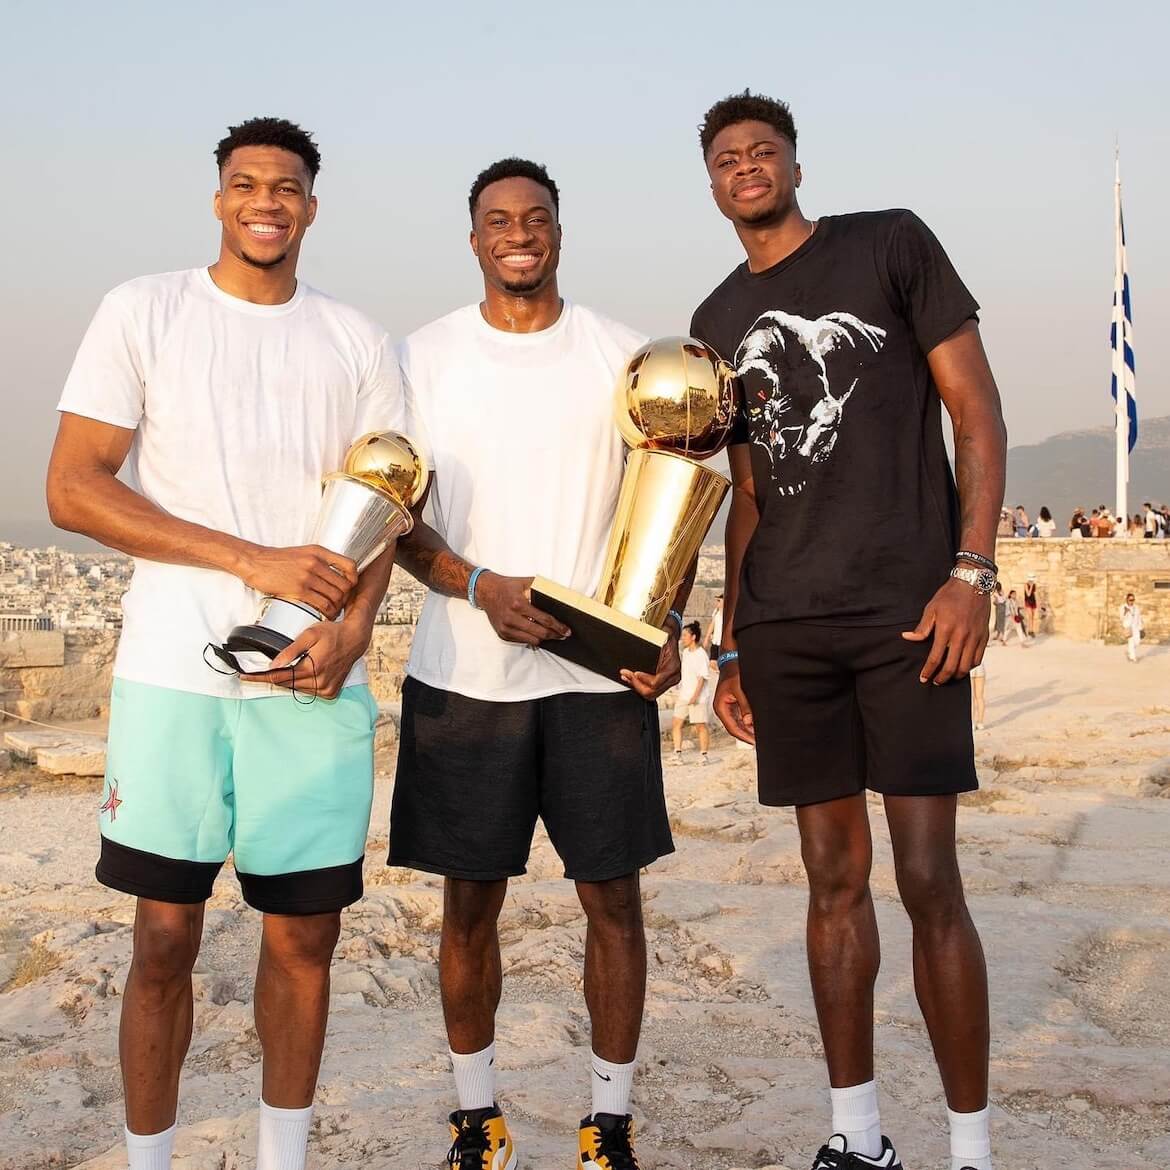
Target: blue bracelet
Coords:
[[471, 585], [726, 657], [678, 617]]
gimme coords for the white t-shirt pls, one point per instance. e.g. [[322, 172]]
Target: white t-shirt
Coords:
[[717, 627], [1046, 527], [528, 465], [239, 410], [696, 668]]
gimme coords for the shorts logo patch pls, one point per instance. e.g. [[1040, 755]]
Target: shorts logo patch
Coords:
[[112, 802]]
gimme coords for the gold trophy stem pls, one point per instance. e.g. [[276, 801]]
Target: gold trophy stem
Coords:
[[666, 506]]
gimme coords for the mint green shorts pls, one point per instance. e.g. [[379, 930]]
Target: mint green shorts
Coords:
[[283, 785]]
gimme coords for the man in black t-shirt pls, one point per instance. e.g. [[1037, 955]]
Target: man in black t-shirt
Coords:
[[857, 589]]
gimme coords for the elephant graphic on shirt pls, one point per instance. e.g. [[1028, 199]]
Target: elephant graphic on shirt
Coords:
[[797, 376]]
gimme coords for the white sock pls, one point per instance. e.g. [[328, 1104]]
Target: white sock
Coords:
[[855, 1114], [150, 1151], [475, 1077], [970, 1139], [284, 1137], [612, 1084]]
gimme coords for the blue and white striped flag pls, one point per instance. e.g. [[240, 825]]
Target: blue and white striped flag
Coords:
[[1121, 342]]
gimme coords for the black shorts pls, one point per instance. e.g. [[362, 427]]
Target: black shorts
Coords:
[[839, 709], [473, 776]]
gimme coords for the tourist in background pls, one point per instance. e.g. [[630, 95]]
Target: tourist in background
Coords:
[[1131, 623], [1045, 526], [1007, 526], [999, 603], [1136, 526], [1152, 521], [691, 701], [1077, 524], [1015, 617], [1031, 603], [1021, 521]]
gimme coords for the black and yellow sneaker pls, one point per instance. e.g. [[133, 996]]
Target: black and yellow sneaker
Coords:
[[480, 1140], [835, 1154], [606, 1142]]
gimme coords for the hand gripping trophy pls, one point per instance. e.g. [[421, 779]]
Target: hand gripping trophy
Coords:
[[364, 507], [674, 405]]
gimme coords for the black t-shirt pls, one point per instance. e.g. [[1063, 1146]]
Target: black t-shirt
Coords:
[[858, 508]]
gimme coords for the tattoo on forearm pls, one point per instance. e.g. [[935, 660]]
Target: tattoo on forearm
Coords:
[[426, 558], [979, 474]]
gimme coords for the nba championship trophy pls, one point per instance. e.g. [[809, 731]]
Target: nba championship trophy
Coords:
[[675, 404], [364, 507]]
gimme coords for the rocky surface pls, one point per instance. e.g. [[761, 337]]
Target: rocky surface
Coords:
[[1063, 851]]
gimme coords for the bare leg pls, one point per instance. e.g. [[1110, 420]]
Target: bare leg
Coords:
[[676, 730], [842, 937], [292, 1003], [615, 965], [157, 1010], [704, 737], [470, 972], [950, 976]]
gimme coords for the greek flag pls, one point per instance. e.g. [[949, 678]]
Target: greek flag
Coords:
[[1121, 342]]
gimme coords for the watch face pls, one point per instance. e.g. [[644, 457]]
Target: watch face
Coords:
[[985, 582]]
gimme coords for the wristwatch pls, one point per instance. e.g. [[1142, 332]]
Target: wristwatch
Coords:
[[981, 580]]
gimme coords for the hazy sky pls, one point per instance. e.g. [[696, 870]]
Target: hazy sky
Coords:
[[994, 122]]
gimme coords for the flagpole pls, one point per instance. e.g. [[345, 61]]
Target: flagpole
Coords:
[[1121, 406]]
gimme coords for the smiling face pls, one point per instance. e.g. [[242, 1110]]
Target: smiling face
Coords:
[[265, 204], [516, 236], [754, 173]]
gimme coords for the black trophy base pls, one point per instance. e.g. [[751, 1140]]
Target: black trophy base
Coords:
[[249, 649], [603, 640]]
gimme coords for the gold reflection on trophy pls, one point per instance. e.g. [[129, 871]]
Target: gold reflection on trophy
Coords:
[[677, 395], [388, 462]]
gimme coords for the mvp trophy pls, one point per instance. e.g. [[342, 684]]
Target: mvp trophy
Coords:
[[363, 507], [675, 404]]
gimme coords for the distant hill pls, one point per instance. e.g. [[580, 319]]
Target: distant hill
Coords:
[[1070, 469], [1076, 468]]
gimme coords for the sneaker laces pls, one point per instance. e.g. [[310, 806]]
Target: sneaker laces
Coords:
[[830, 1159], [471, 1140], [615, 1145]]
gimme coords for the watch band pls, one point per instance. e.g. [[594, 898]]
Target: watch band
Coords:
[[979, 559], [678, 618], [726, 657]]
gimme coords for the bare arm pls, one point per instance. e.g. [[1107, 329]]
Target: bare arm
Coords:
[[731, 704], [957, 617], [967, 387], [427, 557], [85, 495]]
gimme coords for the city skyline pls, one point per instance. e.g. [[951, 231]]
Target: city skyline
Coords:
[[999, 131]]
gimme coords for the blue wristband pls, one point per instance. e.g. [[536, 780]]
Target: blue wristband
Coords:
[[471, 586], [678, 617], [726, 657]]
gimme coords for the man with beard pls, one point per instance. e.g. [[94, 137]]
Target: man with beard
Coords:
[[228, 392], [857, 587], [513, 398]]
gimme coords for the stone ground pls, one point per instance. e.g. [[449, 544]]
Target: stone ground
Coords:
[[1063, 851]]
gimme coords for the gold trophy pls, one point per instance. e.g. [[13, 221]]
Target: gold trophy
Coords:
[[675, 403], [363, 507]]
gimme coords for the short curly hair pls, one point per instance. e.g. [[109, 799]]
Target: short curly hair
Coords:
[[746, 107], [278, 132], [512, 168]]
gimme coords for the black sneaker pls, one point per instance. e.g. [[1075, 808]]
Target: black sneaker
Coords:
[[606, 1142], [480, 1140], [835, 1154]]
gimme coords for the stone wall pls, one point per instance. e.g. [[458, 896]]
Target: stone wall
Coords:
[[1083, 583], [49, 675]]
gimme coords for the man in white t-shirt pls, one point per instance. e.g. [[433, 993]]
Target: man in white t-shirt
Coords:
[[513, 398], [227, 393]]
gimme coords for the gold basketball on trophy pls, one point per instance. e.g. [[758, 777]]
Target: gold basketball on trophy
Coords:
[[390, 462], [678, 395]]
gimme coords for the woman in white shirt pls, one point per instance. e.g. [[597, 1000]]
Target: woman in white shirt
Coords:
[[691, 699], [1131, 623]]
